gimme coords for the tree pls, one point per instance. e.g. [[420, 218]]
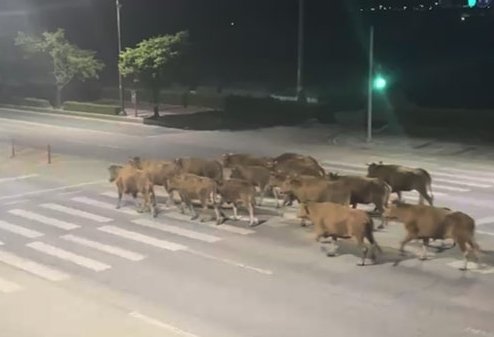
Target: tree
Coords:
[[69, 61], [152, 60]]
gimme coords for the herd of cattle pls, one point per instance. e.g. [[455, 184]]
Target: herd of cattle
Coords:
[[327, 200]]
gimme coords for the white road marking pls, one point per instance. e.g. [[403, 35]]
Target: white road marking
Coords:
[[32, 267], [131, 235], [103, 205], [19, 230], [336, 164], [1, 243], [2, 180], [15, 202], [44, 219], [458, 182], [223, 227], [467, 171], [345, 170], [177, 230], [485, 233], [48, 190], [76, 212], [231, 262], [114, 250], [449, 188], [484, 221], [68, 256], [8, 287], [160, 324], [472, 177], [159, 192], [472, 266]]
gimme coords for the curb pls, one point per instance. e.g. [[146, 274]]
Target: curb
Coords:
[[72, 113]]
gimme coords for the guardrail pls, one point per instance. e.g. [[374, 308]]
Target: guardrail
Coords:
[[14, 147]]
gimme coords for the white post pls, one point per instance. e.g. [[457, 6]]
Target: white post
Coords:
[[120, 82], [300, 56], [369, 89]]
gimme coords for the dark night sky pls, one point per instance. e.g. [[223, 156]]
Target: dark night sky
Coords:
[[423, 50]]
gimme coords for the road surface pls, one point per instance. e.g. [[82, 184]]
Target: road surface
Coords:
[[73, 265]]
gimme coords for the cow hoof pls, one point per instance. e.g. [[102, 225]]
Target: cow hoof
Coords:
[[463, 269], [380, 227], [194, 217], [403, 253], [361, 264], [423, 258], [117, 207]]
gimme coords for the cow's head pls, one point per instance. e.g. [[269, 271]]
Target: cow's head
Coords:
[[372, 169], [114, 170], [135, 162]]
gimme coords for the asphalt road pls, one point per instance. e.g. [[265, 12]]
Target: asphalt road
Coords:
[[73, 265]]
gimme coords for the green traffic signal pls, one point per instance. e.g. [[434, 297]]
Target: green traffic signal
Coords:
[[379, 82], [472, 3]]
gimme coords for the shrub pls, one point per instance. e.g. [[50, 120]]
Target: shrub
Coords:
[[92, 108], [28, 101]]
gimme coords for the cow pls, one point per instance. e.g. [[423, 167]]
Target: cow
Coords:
[[201, 167], [231, 160], [291, 163], [235, 191], [158, 170], [337, 221], [402, 178], [259, 176], [191, 186], [130, 180], [427, 222], [365, 190]]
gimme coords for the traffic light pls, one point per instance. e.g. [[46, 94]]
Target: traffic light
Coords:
[[472, 3], [379, 82]]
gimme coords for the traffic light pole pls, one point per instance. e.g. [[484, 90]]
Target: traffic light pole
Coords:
[[369, 89], [120, 81]]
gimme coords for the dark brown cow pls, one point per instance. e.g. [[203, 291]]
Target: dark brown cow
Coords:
[[235, 191], [231, 160], [402, 179], [201, 167], [259, 176]]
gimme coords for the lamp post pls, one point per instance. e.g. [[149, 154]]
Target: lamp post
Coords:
[[120, 81], [369, 85], [300, 67]]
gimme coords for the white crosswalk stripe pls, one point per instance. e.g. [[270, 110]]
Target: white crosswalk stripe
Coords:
[[466, 171], [484, 221], [32, 267], [8, 287], [222, 227], [135, 236], [44, 219], [449, 188], [114, 250], [68, 256], [177, 230], [464, 183], [76, 212], [19, 230], [113, 194], [103, 205], [3, 180], [472, 178]]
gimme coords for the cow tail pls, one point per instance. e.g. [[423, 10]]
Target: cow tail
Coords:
[[429, 182]]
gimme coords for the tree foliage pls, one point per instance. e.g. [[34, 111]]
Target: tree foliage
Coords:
[[151, 61], [68, 60]]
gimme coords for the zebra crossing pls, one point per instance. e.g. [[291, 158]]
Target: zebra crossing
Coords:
[[97, 214]]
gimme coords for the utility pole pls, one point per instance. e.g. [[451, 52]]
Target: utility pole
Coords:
[[120, 81], [370, 84], [300, 69]]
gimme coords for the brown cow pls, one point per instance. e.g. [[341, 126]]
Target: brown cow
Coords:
[[235, 191], [366, 190], [402, 178], [190, 186], [428, 222], [259, 176], [292, 163], [130, 180], [159, 171], [201, 167], [230, 160], [337, 221]]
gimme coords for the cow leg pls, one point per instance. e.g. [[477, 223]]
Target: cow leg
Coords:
[[425, 243], [219, 215], [399, 195], [261, 197], [235, 211], [406, 240], [276, 196], [195, 215], [463, 247], [252, 220], [364, 249], [119, 200], [204, 204]]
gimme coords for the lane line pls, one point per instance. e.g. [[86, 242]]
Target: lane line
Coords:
[[160, 324], [159, 192], [135, 236], [19, 230], [44, 219], [223, 227], [7, 287], [68, 256], [177, 230], [351, 165], [103, 205], [484, 221], [485, 233], [466, 171], [449, 188], [76, 212], [457, 182], [62, 188], [28, 176], [464, 177], [231, 262], [15, 202], [346, 170], [472, 266], [32, 267], [110, 249]]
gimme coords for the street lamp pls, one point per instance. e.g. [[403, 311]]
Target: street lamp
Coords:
[[300, 67], [120, 81]]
